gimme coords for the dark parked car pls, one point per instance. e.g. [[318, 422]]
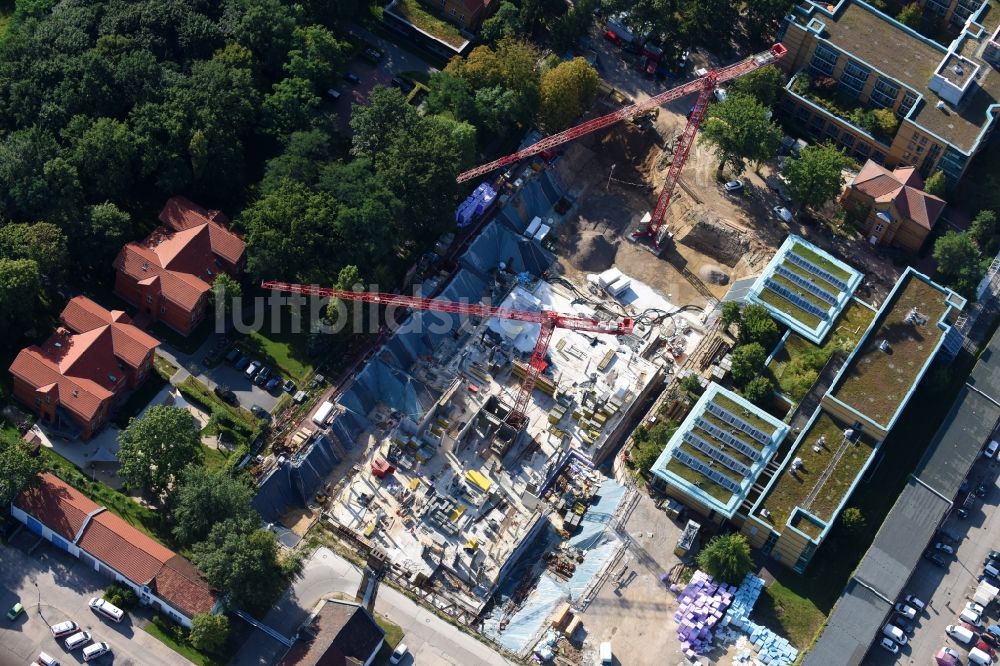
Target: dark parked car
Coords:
[[904, 624], [234, 355], [373, 54], [404, 85], [352, 78], [935, 559], [288, 387], [259, 412], [226, 395], [272, 383], [242, 362], [261, 378]]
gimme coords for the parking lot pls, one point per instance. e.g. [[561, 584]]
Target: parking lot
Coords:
[[53, 586], [947, 589]]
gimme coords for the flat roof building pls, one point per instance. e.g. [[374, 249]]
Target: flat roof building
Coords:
[[945, 96]]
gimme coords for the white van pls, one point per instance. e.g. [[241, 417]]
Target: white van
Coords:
[[78, 639], [44, 659], [605, 654], [959, 633], [970, 616], [991, 570], [323, 414], [95, 650], [977, 656], [107, 609]]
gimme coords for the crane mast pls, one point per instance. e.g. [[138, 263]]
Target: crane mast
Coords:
[[704, 86], [547, 319]]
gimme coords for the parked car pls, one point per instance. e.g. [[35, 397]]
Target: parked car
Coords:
[[226, 395], [262, 376], [253, 368], [973, 606], [45, 659], [15, 611], [234, 355], [992, 555], [401, 83], [783, 214], [944, 548], [733, 187], [981, 490], [950, 652], [934, 558], [107, 609], [913, 601], [994, 629], [259, 412], [904, 624], [352, 78], [980, 658], [272, 383], [991, 449], [242, 362], [77, 640], [372, 54], [990, 638], [971, 617], [95, 650], [288, 387], [895, 633], [986, 647], [64, 628], [909, 612], [398, 654], [889, 645]]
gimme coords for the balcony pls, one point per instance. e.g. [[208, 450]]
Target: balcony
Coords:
[[822, 91]]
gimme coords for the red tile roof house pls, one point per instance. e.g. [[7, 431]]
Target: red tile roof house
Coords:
[[74, 379], [168, 275], [104, 542], [899, 212]]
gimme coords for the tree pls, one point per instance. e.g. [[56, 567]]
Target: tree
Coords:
[[730, 314], [882, 122], [567, 91], [209, 633], [852, 519], [225, 290], [726, 558], [757, 326], [18, 470], [815, 177], [911, 15], [316, 56], [936, 184], [763, 17], [573, 25], [20, 284], [105, 229], [959, 262], [301, 159], [377, 124], [505, 23], [764, 84], [155, 449], [740, 130], [451, 94], [747, 362], [104, 153], [41, 242], [759, 390], [983, 229], [291, 106], [691, 384], [241, 559], [648, 444], [203, 498]]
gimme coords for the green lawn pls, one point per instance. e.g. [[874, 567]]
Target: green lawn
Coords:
[[393, 635], [183, 649], [214, 459], [412, 11], [278, 347], [820, 262], [799, 618]]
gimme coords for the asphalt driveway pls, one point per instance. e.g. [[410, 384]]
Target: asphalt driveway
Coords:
[[54, 586]]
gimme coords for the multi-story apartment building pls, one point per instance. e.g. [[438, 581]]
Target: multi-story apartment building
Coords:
[[946, 98]]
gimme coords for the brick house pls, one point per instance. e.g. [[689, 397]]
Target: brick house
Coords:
[[466, 14], [107, 544], [168, 275], [86, 367], [337, 633], [899, 212]]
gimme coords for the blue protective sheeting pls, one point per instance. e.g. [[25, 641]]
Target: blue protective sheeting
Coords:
[[608, 497], [295, 481], [496, 243], [474, 205]]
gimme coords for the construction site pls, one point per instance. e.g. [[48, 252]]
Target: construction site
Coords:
[[469, 454]]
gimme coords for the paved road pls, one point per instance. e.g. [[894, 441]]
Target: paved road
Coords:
[[947, 590], [64, 586], [431, 640]]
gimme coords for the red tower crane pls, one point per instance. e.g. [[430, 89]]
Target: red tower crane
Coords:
[[548, 320], [704, 86]]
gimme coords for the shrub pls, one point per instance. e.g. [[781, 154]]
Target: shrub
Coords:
[[726, 558], [759, 390], [691, 384], [122, 596], [209, 633]]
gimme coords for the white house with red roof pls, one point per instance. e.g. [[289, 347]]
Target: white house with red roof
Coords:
[[168, 275], [161, 578], [74, 379]]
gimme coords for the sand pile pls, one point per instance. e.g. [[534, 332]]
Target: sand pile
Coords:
[[596, 253]]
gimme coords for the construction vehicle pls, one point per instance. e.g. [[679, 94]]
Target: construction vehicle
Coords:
[[651, 227], [547, 320]]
